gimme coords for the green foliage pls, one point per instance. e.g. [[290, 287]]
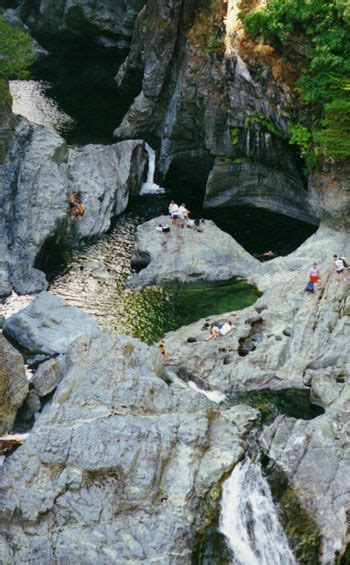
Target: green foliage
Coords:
[[266, 123], [322, 81], [235, 137], [303, 139], [16, 51]]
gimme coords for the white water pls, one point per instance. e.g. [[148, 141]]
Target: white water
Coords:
[[214, 395], [150, 187], [249, 520]]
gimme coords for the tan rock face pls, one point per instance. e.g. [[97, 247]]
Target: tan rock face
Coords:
[[329, 196], [13, 384]]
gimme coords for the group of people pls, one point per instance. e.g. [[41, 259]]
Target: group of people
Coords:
[[179, 214], [315, 275], [76, 206]]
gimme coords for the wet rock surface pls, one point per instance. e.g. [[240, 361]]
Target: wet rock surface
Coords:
[[39, 175], [13, 384], [201, 252], [115, 466]]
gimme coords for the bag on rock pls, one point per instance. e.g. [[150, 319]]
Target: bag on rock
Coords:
[[310, 287]]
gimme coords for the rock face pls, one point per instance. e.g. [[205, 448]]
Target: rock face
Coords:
[[187, 254], [116, 465], [49, 325], [36, 179], [108, 22], [223, 113], [329, 196], [13, 384]]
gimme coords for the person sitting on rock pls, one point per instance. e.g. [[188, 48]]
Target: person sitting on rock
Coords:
[[218, 330], [163, 351], [173, 211], [73, 200]]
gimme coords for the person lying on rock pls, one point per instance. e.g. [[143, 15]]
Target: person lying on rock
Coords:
[[173, 211], [218, 330], [162, 228], [164, 352]]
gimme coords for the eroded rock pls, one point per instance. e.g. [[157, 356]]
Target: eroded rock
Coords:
[[116, 464]]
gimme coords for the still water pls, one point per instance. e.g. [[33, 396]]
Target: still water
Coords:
[[75, 93]]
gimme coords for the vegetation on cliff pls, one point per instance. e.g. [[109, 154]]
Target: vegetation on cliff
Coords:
[[323, 85], [16, 51]]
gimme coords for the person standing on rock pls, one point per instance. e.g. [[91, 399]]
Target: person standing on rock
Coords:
[[174, 212], [73, 200], [314, 274], [339, 268], [183, 214]]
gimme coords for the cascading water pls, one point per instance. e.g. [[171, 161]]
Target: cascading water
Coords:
[[249, 520], [150, 187], [213, 395]]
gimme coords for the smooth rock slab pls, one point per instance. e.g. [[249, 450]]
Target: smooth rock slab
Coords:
[[49, 325], [188, 254], [13, 384]]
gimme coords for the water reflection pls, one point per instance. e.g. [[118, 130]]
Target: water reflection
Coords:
[[29, 99]]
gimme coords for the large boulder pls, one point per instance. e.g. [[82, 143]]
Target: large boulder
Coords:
[[36, 180], [187, 254], [49, 325], [118, 464], [13, 384]]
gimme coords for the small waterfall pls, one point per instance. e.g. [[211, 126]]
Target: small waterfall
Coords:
[[249, 520], [150, 187], [214, 395]]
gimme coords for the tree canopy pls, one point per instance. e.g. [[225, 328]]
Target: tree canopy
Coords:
[[16, 51], [324, 84]]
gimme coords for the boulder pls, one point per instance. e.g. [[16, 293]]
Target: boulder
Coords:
[[49, 325], [36, 180], [187, 254], [13, 384], [48, 375], [118, 463]]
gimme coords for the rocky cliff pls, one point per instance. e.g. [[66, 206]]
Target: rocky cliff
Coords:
[[37, 177], [108, 23], [212, 110]]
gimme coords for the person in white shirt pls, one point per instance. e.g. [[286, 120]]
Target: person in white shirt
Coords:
[[220, 330], [174, 212], [339, 268], [314, 274], [183, 213]]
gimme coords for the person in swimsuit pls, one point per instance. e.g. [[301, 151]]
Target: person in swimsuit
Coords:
[[73, 200], [314, 274], [220, 330]]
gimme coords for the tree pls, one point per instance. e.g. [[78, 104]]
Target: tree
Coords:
[[16, 51]]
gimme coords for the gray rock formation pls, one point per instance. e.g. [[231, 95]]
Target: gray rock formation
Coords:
[[38, 176], [209, 107], [13, 384], [49, 325], [187, 254], [277, 342], [114, 470], [108, 22], [48, 375], [329, 196]]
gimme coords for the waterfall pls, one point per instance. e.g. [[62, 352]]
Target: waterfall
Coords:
[[214, 395], [150, 187], [249, 520]]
